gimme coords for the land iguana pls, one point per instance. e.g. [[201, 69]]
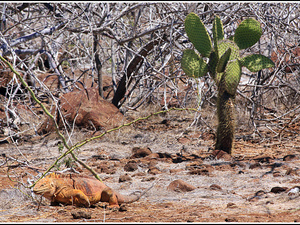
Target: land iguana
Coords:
[[80, 190]]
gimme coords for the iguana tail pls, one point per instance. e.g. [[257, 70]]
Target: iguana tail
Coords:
[[132, 198]]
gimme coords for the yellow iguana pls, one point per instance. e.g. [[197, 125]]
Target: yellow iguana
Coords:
[[80, 190]]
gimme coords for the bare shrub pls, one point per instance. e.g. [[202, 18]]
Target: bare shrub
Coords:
[[61, 47]]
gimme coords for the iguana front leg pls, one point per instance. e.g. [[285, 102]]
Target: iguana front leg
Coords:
[[108, 195], [72, 196]]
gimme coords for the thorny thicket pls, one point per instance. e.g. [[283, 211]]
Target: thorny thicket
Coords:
[[80, 43]]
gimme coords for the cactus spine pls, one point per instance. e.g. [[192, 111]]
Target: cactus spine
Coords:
[[224, 66]]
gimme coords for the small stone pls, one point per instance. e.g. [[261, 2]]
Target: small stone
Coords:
[[139, 152], [260, 193], [124, 178], [154, 170], [81, 214], [276, 174], [278, 189], [130, 166], [231, 205], [289, 157], [232, 219], [215, 187], [294, 191], [123, 208], [180, 186]]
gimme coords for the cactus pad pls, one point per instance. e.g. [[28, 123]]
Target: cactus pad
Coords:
[[192, 64], [218, 32], [247, 33], [223, 61], [257, 62], [232, 76], [213, 61], [197, 34], [224, 45]]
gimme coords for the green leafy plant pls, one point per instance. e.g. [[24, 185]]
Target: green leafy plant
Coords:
[[221, 59]]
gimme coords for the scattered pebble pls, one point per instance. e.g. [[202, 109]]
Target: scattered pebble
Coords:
[[180, 186], [81, 214], [215, 187], [289, 157], [140, 152], [232, 219], [278, 189], [123, 208], [276, 174], [131, 166], [124, 178], [294, 191], [231, 205], [154, 170]]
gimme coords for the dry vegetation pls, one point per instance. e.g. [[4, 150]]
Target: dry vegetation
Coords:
[[61, 47]]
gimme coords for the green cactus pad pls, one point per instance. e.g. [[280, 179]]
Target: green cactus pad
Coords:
[[218, 78], [232, 76], [257, 62], [192, 64], [247, 33], [218, 32], [212, 64], [223, 61], [224, 45], [197, 34]]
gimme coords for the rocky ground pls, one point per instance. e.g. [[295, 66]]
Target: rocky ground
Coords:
[[260, 182]]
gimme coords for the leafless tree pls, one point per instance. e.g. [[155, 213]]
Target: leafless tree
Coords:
[[138, 46]]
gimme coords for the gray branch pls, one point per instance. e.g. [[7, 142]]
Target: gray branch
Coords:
[[29, 37]]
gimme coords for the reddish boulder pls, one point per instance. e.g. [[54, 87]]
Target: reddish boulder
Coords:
[[180, 186], [86, 108]]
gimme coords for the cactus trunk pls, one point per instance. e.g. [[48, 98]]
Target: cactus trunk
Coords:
[[226, 125]]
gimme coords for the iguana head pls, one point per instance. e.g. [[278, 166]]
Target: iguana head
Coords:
[[45, 187]]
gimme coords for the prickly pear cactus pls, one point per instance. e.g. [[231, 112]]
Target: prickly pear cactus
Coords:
[[247, 33], [224, 64], [197, 34], [193, 65], [256, 62]]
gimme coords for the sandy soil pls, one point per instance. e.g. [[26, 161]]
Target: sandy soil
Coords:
[[259, 183]]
